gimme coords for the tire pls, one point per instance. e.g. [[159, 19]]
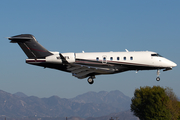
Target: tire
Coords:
[[158, 78], [90, 80]]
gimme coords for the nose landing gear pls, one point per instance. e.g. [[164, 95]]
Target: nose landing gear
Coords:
[[158, 73], [90, 79]]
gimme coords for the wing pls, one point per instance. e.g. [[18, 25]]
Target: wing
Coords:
[[82, 71]]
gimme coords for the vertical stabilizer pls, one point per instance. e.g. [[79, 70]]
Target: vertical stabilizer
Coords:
[[30, 46]]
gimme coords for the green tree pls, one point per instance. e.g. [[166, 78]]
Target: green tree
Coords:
[[179, 111], [173, 104], [150, 103]]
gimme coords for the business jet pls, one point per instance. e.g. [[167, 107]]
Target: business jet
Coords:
[[90, 64]]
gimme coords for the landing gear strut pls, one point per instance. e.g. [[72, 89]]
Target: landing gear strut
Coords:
[[90, 79], [158, 78]]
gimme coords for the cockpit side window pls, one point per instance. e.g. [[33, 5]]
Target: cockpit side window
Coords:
[[153, 54], [156, 55]]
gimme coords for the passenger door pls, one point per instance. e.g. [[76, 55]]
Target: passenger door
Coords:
[[104, 59]]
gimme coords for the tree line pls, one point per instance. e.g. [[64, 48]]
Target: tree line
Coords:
[[155, 103]]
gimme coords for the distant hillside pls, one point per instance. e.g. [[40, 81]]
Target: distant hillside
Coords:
[[125, 115], [90, 104], [114, 98], [20, 94]]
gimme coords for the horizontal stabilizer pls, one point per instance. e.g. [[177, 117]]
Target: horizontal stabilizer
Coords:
[[20, 38]]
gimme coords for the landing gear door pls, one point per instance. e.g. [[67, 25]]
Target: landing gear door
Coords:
[[104, 59]]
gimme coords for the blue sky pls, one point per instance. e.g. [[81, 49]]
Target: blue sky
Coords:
[[90, 26]]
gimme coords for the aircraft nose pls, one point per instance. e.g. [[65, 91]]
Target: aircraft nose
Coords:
[[174, 64], [171, 64]]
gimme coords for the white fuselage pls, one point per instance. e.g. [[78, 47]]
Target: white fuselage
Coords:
[[128, 58], [105, 62], [143, 58]]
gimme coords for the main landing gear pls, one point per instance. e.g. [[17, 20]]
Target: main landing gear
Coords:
[[158, 78], [90, 79]]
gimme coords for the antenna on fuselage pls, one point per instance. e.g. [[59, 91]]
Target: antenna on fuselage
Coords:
[[126, 50]]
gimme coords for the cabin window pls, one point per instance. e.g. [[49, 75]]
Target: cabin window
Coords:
[[131, 58], [117, 58], [124, 58], [111, 58], [104, 58], [97, 58]]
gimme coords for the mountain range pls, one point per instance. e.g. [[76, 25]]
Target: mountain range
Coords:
[[88, 106]]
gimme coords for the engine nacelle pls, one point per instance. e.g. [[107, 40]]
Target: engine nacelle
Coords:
[[55, 58]]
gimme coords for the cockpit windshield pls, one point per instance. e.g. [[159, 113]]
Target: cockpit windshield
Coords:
[[156, 55]]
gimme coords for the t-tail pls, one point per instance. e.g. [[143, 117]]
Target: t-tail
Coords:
[[30, 46]]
